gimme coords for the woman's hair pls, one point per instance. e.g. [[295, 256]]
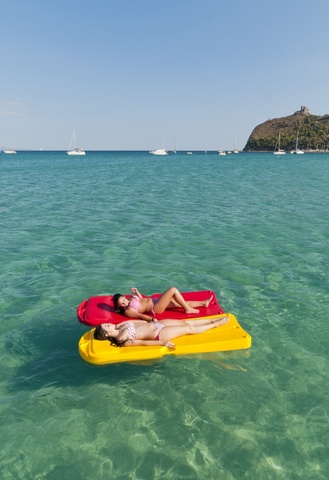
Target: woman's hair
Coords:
[[115, 300], [99, 334]]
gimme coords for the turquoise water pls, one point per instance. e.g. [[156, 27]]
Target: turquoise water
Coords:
[[251, 227]]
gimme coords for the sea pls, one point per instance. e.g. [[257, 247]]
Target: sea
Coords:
[[252, 227]]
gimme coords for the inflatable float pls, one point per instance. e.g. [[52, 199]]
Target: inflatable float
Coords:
[[99, 309]]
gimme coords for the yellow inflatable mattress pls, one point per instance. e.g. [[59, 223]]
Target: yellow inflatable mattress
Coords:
[[230, 336]]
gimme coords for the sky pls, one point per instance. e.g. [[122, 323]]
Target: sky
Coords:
[[146, 74]]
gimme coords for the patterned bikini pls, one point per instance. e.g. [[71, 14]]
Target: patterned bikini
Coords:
[[134, 303], [130, 327], [158, 326]]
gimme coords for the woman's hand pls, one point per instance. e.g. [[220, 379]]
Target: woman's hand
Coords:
[[169, 345], [136, 292]]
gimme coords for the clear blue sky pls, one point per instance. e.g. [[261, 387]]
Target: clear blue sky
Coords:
[[132, 74]]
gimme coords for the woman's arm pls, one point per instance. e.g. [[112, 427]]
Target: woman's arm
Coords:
[[136, 292], [134, 320], [149, 343], [131, 313]]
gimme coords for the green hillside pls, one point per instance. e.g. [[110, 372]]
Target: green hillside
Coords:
[[313, 133]]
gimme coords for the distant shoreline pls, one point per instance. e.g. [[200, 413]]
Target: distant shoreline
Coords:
[[170, 152]]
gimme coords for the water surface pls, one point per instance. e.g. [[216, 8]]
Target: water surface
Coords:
[[251, 227]]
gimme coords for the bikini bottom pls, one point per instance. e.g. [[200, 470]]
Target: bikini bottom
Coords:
[[154, 300], [159, 327]]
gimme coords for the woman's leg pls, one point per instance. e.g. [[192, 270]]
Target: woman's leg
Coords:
[[172, 298], [170, 332], [203, 303], [207, 321], [218, 320]]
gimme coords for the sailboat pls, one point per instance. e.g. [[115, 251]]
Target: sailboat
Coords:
[[297, 151], [277, 149], [159, 151], [73, 150], [235, 146], [9, 151]]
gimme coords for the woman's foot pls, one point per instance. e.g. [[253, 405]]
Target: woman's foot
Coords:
[[207, 302], [222, 321], [190, 310]]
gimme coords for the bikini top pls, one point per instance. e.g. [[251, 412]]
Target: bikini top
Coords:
[[134, 303], [130, 327]]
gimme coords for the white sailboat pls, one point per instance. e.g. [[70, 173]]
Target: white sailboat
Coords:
[[73, 150], [159, 151], [221, 152], [277, 149], [235, 146], [297, 151], [9, 151]]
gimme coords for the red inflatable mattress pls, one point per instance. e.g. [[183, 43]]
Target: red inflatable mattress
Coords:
[[100, 309]]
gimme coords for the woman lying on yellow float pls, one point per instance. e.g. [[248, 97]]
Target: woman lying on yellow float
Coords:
[[154, 332]]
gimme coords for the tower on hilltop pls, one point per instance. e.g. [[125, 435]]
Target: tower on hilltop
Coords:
[[303, 110]]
